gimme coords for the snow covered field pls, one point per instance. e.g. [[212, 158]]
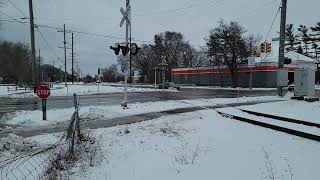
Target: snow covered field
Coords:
[[294, 126], [80, 89], [299, 110], [34, 118], [228, 88], [197, 145]]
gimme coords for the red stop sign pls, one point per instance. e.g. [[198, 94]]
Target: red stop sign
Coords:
[[43, 92]]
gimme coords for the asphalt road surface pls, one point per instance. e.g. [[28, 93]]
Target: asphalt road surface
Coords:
[[13, 104], [101, 123]]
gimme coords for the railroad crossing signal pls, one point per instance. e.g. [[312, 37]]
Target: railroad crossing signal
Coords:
[[265, 47], [125, 49], [125, 15]]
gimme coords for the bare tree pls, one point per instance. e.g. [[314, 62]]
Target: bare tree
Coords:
[[110, 74], [145, 62], [15, 62], [227, 43]]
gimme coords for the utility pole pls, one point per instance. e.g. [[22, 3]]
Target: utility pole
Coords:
[[130, 56], [39, 71], [33, 47], [282, 39], [53, 75], [126, 17], [65, 54], [72, 60]]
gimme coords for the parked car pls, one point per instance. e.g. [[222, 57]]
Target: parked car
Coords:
[[168, 85], [291, 87]]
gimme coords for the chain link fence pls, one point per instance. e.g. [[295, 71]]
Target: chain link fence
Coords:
[[46, 162]]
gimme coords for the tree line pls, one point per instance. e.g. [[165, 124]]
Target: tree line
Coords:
[[304, 40], [228, 44], [16, 65]]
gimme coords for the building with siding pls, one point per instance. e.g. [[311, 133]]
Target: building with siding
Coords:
[[264, 73]]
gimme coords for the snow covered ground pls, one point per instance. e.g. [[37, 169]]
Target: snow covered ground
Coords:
[[228, 88], [294, 126], [299, 110], [80, 89], [196, 145], [34, 118]]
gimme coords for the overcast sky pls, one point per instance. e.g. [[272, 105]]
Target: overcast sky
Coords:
[[193, 18]]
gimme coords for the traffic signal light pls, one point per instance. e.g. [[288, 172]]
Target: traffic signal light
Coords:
[[252, 53], [263, 47], [257, 54], [268, 48], [115, 49]]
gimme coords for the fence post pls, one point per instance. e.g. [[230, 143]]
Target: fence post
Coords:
[[76, 106]]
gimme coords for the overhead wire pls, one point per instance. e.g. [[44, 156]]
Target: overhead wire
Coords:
[[25, 16], [11, 17], [47, 43], [273, 21]]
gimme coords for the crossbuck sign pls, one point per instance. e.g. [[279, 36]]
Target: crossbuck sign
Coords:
[[125, 14]]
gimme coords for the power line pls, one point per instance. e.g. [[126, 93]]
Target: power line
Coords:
[[10, 16], [256, 9], [76, 31], [273, 21], [24, 15], [47, 43]]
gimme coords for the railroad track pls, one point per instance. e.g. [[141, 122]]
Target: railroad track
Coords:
[[300, 128]]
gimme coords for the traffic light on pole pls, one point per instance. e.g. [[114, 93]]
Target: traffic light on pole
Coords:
[[263, 47], [115, 49], [257, 54], [268, 47]]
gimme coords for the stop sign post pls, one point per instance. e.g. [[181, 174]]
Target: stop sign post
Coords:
[[43, 92]]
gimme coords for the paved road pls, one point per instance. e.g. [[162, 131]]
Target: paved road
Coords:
[[100, 123], [14, 104]]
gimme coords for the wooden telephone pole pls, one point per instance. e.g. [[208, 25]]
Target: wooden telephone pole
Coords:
[[282, 39], [33, 47]]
